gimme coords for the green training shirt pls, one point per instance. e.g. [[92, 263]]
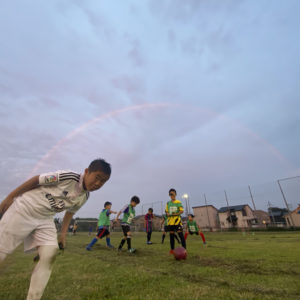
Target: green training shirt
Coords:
[[192, 226], [128, 214], [104, 218]]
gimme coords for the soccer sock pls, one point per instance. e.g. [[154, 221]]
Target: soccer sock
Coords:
[[148, 238], [122, 243], [108, 241], [163, 238], [150, 233], [203, 238], [129, 242], [186, 235], [176, 237], [172, 241], [41, 272], [91, 244], [182, 239]]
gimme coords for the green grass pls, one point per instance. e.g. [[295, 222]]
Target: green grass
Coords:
[[231, 266]]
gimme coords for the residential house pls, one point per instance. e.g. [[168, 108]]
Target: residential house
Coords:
[[277, 215], [295, 216], [262, 218], [238, 216], [206, 217]]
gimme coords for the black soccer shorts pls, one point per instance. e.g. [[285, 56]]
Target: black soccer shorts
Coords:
[[175, 228], [126, 229], [193, 232], [102, 232]]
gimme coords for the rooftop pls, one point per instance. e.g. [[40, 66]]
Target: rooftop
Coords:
[[235, 208]]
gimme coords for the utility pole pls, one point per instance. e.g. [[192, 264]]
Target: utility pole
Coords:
[[283, 196], [252, 197], [207, 212], [228, 208]]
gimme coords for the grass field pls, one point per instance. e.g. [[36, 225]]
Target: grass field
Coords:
[[230, 266]]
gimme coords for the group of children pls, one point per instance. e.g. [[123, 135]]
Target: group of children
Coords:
[[26, 215], [172, 223]]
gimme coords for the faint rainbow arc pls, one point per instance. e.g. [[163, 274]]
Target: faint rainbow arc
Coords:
[[82, 127], [110, 114]]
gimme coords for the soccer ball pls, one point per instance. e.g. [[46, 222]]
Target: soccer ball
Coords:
[[180, 253]]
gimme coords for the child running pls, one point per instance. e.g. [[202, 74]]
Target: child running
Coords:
[[103, 226], [174, 209], [193, 228], [28, 215], [128, 215], [148, 225]]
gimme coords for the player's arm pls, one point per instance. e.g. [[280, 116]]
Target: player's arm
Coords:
[[167, 210], [118, 215], [30, 184], [64, 227], [124, 209]]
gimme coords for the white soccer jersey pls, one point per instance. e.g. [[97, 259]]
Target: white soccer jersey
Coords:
[[57, 191]]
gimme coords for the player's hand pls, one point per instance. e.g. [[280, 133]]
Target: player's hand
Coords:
[[61, 246], [62, 242]]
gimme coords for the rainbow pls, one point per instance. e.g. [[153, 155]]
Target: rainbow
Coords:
[[112, 114]]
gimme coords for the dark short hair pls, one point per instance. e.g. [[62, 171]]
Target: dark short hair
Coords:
[[191, 215], [135, 199], [173, 190], [107, 203], [151, 209], [100, 165]]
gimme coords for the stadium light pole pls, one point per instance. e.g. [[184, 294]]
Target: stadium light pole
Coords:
[[186, 197], [284, 199]]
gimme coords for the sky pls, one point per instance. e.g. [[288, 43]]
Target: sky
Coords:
[[201, 96]]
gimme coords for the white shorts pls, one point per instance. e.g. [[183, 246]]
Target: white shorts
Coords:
[[16, 228]]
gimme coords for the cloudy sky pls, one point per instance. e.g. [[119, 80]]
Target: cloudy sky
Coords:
[[197, 95]]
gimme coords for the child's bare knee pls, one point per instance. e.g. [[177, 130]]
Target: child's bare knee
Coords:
[[48, 254]]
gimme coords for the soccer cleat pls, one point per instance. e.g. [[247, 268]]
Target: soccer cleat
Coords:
[[171, 252], [131, 250], [88, 248], [149, 243], [110, 246]]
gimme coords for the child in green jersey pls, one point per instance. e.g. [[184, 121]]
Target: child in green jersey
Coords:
[[128, 215], [103, 226], [193, 228]]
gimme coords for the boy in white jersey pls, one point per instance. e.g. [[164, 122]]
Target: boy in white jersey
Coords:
[[27, 215]]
